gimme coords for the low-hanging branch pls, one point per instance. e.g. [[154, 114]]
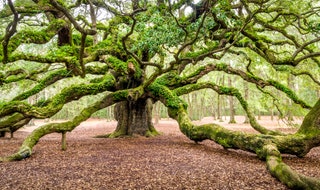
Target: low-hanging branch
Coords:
[[25, 150], [42, 84], [9, 77], [222, 90], [53, 105], [33, 36], [173, 80], [265, 146]]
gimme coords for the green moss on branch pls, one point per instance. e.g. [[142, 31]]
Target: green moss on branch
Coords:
[[285, 174], [52, 78], [56, 103], [25, 150], [230, 92]]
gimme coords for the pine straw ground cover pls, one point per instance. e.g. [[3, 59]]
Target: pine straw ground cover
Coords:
[[169, 161]]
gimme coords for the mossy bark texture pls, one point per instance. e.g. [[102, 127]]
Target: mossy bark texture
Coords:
[[134, 118], [267, 146], [25, 150]]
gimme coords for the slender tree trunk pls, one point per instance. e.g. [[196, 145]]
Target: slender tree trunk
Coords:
[[246, 97], [232, 110], [94, 22], [219, 117], [212, 108], [134, 118], [289, 102]]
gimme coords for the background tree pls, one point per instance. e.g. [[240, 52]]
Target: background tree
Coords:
[[134, 54]]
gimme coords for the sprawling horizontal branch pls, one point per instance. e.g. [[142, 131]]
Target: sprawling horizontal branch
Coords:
[[20, 74], [297, 73], [26, 147], [33, 36], [230, 92], [297, 144], [51, 79], [286, 174], [56, 103], [9, 121], [173, 80]]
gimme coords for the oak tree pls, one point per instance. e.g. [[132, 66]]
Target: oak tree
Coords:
[[136, 53]]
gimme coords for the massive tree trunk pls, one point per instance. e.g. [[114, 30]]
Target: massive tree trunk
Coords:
[[134, 118]]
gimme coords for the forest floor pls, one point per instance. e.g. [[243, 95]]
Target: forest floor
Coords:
[[168, 161]]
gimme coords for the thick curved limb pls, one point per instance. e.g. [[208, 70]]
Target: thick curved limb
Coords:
[[267, 147], [55, 104], [230, 92], [26, 147], [173, 80], [286, 174]]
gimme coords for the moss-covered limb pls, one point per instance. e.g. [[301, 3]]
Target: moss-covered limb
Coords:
[[53, 105], [20, 74], [42, 84], [297, 73], [285, 174], [311, 123], [10, 30], [265, 146], [226, 138], [174, 80], [97, 70], [290, 93], [11, 120], [222, 90], [258, 81], [296, 144], [66, 12], [35, 58], [25, 150], [34, 36], [29, 8]]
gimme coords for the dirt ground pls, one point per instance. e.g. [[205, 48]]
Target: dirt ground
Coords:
[[168, 161]]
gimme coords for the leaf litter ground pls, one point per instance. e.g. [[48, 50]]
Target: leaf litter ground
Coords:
[[169, 161]]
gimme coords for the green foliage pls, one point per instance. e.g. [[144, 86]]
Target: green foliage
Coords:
[[156, 30]]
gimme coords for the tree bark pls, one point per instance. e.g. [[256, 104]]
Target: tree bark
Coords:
[[232, 110], [64, 141], [134, 118], [246, 97], [289, 102]]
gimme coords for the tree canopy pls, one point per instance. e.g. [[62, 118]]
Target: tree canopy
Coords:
[[132, 54]]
